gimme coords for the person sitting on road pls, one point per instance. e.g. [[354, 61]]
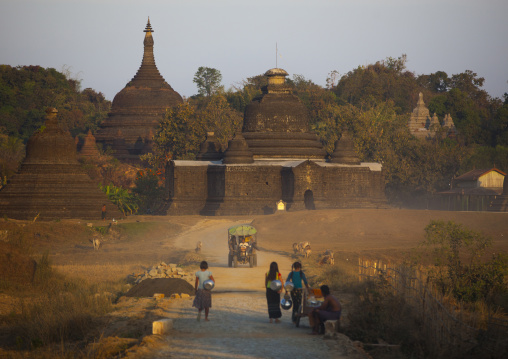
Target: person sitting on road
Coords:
[[329, 310]]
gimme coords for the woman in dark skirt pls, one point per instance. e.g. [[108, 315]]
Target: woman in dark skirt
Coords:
[[273, 297], [297, 276], [203, 299]]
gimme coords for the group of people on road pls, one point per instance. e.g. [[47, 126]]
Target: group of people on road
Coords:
[[330, 309]]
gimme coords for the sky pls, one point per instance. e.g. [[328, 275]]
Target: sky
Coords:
[[100, 42]]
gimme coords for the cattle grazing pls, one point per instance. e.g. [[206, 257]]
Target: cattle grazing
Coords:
[[295, 248], [303, 248], [96, 243], [327, 258]]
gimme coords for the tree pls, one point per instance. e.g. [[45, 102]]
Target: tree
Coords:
[[219, 117], [25, 92], [178, 136], [12, 152], [208, 80]]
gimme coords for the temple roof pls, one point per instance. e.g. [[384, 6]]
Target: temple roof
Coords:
[[276, 123]]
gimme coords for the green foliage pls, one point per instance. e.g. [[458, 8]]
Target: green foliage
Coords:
[[178, 136], [218, 116], [239, 97], [459, 266], [125, 201], [485, 157], [12, 151], [150, 192], [208, 81], [382, 81], [25, 92]]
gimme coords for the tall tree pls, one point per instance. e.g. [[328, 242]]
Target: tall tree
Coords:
[[218, 116], [208, 80], [178, 136]]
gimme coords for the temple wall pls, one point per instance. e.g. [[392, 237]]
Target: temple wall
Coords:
[[248, 189], [186, 189], [241, 189]]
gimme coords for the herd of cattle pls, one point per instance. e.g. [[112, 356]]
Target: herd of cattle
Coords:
[[301, 248], [304, 248]]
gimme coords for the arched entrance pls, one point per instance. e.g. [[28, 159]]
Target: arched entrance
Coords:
[[308, 199]]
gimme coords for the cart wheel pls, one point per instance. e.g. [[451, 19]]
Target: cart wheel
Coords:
[[299, 316], [230, 261], [255, 256], [235, 262]]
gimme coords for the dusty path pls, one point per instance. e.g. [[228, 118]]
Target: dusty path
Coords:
[[238, 326]]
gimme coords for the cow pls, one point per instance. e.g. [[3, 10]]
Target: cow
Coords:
[[198, 247], [327, 257], [96, 243], [307, 251], [296, 249]]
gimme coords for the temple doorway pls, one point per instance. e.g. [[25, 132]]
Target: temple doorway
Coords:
[[308, 199]]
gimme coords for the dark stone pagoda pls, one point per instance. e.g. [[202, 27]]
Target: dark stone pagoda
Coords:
[[51, 183], [275, 157], [137, 109], [276, 123]]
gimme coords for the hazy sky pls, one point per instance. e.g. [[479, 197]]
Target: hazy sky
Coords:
[[101, 41]]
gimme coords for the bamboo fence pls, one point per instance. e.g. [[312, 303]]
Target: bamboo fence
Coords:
[[443, 322]]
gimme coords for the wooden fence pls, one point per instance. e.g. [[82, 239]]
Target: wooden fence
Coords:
[[444, 323]]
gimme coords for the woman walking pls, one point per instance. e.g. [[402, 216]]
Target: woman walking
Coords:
[[272, 296], [297, 276], [203, 299]]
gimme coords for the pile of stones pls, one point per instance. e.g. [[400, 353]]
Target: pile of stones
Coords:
[[161, 270]]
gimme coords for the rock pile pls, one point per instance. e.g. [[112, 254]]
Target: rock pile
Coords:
[[173, 288], [161, 270]]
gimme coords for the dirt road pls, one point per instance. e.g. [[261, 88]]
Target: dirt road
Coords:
[[238, 326]]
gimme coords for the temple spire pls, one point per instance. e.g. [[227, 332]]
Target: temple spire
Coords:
[[148, 75], [148, 27]]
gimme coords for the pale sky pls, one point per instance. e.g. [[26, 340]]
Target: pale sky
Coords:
[[101, 41]]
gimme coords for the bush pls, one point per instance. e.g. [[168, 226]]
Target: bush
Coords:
[[125, 201], [459, 266], [149, 192]]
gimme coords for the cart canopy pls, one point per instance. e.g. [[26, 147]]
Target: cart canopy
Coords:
[[242, 230]]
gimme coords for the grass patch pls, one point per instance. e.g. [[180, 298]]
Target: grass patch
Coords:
[[137, 230], [55, 309]]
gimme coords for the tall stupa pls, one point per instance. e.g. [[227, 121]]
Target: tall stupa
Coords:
[[137, 109]]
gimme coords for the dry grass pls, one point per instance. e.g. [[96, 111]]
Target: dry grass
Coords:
[[57, 309], [97, 273]]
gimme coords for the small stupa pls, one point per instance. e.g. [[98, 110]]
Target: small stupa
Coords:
[[238, 151], [89, 148], [345, 151], [210, 149], [51, 183], [138, 107]]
